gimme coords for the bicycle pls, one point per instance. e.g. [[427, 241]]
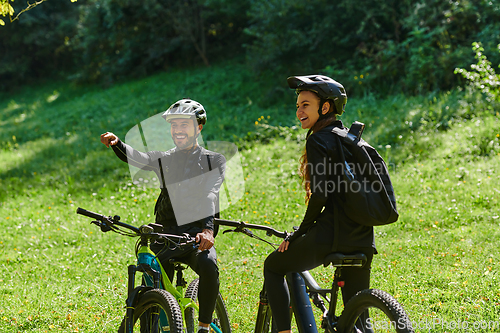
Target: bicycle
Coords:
[[157, 306], [385, 313]]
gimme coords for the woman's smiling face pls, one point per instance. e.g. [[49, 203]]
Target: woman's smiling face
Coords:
[[307, 108]]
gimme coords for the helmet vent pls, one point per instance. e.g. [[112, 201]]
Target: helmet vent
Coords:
[[186, 108]]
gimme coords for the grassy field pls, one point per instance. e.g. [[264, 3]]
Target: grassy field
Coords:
[[59, 273]]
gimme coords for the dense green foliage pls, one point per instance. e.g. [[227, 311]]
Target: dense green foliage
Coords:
[[370, 46], [130, 38], [36, 47]]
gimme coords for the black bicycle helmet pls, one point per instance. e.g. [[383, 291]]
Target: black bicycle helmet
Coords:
[[325, 87], [186, 108]]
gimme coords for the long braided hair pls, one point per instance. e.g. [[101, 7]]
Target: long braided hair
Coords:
[[322, 122]]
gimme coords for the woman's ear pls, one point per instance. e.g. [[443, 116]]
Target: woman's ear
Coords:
[[325, 108]]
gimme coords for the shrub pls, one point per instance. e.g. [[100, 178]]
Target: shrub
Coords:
[[483, 76]]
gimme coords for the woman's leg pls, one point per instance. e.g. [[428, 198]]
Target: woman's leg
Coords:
[[304, 253], [356, 278]]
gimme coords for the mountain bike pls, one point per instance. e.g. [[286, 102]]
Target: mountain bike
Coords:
[[156, 305], [370, 310]]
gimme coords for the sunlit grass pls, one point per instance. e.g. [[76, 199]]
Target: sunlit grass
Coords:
[[59, 273]]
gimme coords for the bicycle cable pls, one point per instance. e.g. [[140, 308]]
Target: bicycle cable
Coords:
[[250, 234], [123, 232]]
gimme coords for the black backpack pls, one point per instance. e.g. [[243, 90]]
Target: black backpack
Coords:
[[368, 195]]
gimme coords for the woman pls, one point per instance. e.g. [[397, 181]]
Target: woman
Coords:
[[325, 227]]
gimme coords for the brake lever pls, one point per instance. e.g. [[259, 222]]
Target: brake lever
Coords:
[[245, 231], [104, 227]]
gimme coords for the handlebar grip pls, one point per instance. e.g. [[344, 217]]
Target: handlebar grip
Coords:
[[90, 214]]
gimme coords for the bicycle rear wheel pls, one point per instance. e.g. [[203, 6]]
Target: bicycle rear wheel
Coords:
[[157, 311], [220, 318], [385, 314]]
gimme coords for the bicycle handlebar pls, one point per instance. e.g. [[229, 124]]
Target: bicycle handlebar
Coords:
[[109, 223], [241, 225], [90, 214]]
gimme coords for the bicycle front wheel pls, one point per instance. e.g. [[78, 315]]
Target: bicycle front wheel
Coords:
[[374, 311], [157, 311], [220, 319], [264, 322]]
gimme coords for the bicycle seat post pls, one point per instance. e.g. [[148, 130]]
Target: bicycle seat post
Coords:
[[337, 283], [179, 276]]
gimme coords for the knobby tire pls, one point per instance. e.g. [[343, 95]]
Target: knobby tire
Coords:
[[386, 314], [148, 304], [220, 317]]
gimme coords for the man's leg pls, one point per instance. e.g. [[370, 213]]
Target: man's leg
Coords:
[[204, 263]]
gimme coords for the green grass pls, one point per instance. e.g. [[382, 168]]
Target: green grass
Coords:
[[59, 273]]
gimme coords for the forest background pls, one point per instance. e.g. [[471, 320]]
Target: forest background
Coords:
[[391, 46], [429, 96]]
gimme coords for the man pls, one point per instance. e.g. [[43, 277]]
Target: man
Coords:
[[190, 178]]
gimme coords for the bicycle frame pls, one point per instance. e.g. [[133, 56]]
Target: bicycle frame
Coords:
[[156, 277], [302, 288], [308, 288], [301, 306]]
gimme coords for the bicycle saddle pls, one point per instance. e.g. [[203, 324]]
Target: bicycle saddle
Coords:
[[340, 260]]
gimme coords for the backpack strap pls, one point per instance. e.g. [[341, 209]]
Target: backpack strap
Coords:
[[217, 214], [209, 164], [353, 136], [356, 131]]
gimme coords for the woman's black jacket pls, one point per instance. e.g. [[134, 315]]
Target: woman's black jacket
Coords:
[[324, 206]]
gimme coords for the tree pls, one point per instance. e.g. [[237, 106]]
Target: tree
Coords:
[[126, 38], [186, 17], [39, 44], [7, 9]]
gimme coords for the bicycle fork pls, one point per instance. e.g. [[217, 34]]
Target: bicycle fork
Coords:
[[263, 321], [133, 292]]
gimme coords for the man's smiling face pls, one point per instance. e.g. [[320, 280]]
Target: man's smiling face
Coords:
[[184, 132]]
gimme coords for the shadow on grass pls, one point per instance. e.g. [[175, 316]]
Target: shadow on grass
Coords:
[[69, 163]]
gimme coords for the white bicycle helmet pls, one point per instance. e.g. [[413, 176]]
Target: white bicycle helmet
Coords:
[[186, 108]]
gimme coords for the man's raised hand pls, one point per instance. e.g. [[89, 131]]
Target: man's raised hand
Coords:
[[109, 139]]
